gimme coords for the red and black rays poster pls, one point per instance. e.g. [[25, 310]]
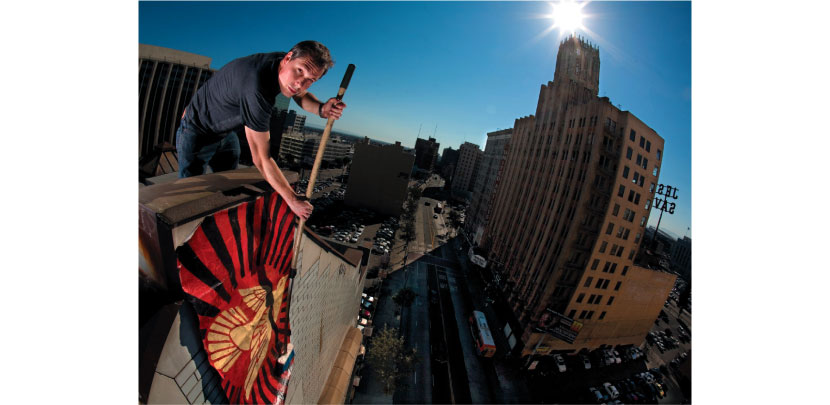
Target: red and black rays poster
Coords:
[[234, 270]]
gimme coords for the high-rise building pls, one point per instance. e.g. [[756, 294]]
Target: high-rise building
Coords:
[[167, 79], [681, 257], [485, 182], [449, 159], [426, 153], [281, 102], [303, 148], [469, 156], [379, 177], [565, 228]]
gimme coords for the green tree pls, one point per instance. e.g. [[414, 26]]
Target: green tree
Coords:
[[389, 359], [404, 297]]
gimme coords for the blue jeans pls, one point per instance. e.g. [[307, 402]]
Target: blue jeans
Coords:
[[196, 150]]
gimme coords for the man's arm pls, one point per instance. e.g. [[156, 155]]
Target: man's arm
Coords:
[[331, 108], [261, 155]]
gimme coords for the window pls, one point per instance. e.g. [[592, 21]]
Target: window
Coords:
[[639, 159], [648, 146], [643, 221], [572, 313], [625, 270], [605, 284], [582, 314], [656, 169], [631, 195], [630, 255], [625, 172], [625, 235], [613, 266], [602, 248], [619, 252], [632, 135], [591, 299], [651, 189], [642, 180], [610, 300], [628, 153], [616, 210], [599, 283], [607, 266], [637, 238], [659, 154], [588, 282], [637, 198], [648, 204], [622, 191], [617, 287], [595, 264], [614, 250], [642, 142], [580, 298], [602, 315], [610, 228], [645, 163], [636, 178], [620, 232], [590, 314]]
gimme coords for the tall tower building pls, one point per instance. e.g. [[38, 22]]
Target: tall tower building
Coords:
[[565, 228], [167, 79], [426, 153], [485, 182], [469, 156]]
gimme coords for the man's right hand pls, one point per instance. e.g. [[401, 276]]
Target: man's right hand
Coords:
[[300, 206]]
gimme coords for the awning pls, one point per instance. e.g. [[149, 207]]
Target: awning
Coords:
[[334, 392]]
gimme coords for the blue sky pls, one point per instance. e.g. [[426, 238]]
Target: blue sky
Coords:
[[467, 68]]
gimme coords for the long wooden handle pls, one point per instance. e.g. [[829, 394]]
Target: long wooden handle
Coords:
[[317, 160]]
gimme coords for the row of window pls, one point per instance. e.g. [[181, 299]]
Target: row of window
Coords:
[[586, 314], [601, 283], [594, 299]]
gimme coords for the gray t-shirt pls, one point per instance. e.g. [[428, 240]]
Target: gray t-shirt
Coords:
[[241, 93]]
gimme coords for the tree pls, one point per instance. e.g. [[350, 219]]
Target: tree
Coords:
[[404, 297], [455, 219], [389, 359]]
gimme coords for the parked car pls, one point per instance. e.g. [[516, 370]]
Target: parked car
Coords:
[[365, 313], [597, 395], [585, 361], [611, 390], [560, 362], [617, 358]]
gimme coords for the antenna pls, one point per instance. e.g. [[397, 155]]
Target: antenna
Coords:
[[419, 129]]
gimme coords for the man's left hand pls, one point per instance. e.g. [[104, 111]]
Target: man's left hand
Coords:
[[333, 108]]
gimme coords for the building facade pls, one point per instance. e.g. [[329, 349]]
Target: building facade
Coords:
[[167, 80], [426, 153], [379, 177], [303, 148], [449, 159], [681, 257], [485, 182], [469, 157], [564, 230]]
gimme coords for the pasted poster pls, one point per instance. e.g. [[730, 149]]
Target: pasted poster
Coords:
[[234, 270]]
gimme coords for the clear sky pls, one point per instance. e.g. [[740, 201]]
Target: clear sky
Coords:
[[458, 69]]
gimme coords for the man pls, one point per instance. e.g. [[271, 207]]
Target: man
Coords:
[[242, 93]]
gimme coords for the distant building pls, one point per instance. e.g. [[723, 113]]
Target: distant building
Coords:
[[379, 177], [485, 182], [681, 257], [167, 79], [303, 148], [426, 153], [281, 103], [469, 156], [570, 213], [449, 159]]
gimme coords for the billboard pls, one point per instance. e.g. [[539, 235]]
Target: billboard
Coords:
[[476, 259], [559, 326]]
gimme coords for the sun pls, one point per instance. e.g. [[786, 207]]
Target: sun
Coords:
[[567, 16]]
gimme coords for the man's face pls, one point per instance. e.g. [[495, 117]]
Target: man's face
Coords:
[[297, 75]]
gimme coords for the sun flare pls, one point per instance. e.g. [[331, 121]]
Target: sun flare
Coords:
[[567, 16]]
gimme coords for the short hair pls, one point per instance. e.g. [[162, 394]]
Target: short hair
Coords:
[[316, 52]]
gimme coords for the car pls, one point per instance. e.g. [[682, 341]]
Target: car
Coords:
[[560, 362], [585, 361], [611, 390], [435, 216], [365, 313], [597, 395], [617, 358], [426, 203]]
